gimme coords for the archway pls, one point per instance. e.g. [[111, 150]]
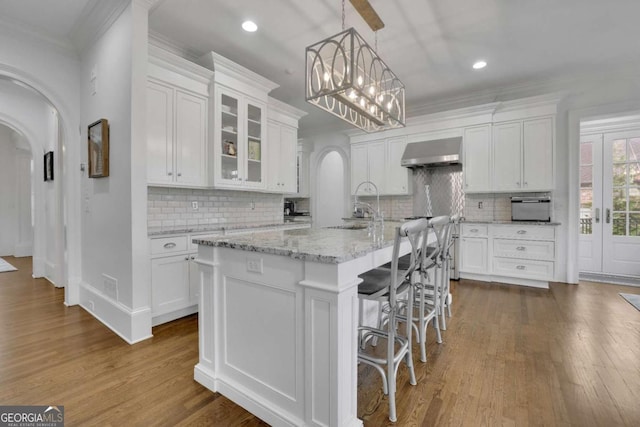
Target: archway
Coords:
[[330, 199], [68, 228]]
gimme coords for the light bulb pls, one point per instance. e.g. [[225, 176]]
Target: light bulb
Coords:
[[388, 106], [360, 80], [380, 98], [372, 109], [352, 95], [372, 90], [362, 103], [326, 77]]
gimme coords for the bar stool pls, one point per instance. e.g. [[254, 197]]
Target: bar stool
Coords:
[[384, 286], [446, 299]]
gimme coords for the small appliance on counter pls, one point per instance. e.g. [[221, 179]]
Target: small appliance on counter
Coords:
[[289, 207], [531, 209]]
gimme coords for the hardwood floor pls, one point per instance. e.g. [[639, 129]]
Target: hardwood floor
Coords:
[[511, 356]]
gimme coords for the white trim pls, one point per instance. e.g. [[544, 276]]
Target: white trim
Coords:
[[541, 284], [225, 67], [94, 21], [177, 64], [168, 317], [609, 278]]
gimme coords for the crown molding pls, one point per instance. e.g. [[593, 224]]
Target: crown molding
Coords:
[[280, 107], [220, 64], [179, 65], [94, 20], [39, 37], [611, 124], [159, 40]]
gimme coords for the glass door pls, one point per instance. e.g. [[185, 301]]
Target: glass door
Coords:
[[254, 144], [229, 163], [610, 203]]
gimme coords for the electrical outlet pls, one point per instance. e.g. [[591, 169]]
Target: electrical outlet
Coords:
[[254, 265], [252, 205], [194, 205], [479, 205]]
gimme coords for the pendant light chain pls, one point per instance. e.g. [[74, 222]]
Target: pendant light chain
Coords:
[[376, 42], [343, 15]]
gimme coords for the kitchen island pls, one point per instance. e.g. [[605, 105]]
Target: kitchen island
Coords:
[[278, 321]]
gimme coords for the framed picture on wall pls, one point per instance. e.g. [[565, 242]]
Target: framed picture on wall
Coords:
[[48, 166], [99, 149]]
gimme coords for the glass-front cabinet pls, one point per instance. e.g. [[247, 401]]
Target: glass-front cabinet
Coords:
[[239, 140]]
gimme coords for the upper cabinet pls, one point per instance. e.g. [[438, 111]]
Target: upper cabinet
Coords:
[[379, 162], [177, 128], [523, 155], [477, 159], [240, 140], [398, 177], [303, 167], [283, 147]]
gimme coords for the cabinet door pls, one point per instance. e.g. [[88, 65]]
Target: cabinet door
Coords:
[[359, 166], [169, 284], [474, 255], [398, 177], [288, 159], [538, 154], [227, 164], [477, 159], [159, 133], [376, 153], [507, 156], [191, 139], [303, 165], [253, 145], [273, 174]]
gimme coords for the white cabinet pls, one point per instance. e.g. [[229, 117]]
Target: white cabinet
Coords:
[[474, 244], [523, 155], [520, 254], [170, 284], [302, 170], [399, 180], [176, 136], [282, 158], [368, 163], [239, 141], [477, 159]]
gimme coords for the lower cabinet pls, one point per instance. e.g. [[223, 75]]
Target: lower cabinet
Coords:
[[520, 254], [174, 287]]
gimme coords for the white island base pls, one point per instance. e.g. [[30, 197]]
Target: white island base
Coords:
[[278, 335]]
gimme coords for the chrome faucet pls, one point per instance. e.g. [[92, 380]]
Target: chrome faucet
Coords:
[[378, 218]]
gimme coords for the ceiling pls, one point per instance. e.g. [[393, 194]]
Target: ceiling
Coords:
[[429, 44]]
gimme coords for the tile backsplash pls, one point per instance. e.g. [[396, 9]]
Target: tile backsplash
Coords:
[[493, 206], [396, 207], [172, 208]]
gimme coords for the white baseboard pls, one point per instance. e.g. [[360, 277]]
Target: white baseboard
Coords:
[[508, 280], [168, 317], [23, 249], [132, 326], [610, 278]]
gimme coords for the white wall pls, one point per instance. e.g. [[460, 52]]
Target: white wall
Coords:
[[114, 208], [331, 174]]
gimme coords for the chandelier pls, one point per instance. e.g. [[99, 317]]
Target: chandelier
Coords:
[[347, 78]]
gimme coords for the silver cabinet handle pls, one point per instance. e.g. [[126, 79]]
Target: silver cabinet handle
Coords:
[[521, 248], [186, 259], [169, 173], [522, 231], [608, 215], [474, 230], [518, 183], [521, 267], [597, 215], [193, 257], [179, 174], [169, 245]]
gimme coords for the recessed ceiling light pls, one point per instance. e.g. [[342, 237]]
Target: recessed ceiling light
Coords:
[[249, 26], [478, 65]]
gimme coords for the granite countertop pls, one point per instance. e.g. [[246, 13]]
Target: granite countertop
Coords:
[[323, 245], [511, 222], [220, 228]]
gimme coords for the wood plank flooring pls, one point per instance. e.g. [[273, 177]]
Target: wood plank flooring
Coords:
[[511, 356]]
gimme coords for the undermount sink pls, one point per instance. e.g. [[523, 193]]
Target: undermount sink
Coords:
[[350, 227]]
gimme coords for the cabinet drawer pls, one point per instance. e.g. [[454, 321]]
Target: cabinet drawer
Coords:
[[526, 249], [529, 232], [527, 269], [167, 245], [474, 230]]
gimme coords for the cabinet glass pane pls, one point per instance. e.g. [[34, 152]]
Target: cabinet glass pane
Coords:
[[229, 139], [254, 143]]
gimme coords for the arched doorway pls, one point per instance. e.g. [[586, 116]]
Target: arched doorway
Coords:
[[64, 230], [331, 181]]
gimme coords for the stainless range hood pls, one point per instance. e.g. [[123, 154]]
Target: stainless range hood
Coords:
[[438, 152]]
